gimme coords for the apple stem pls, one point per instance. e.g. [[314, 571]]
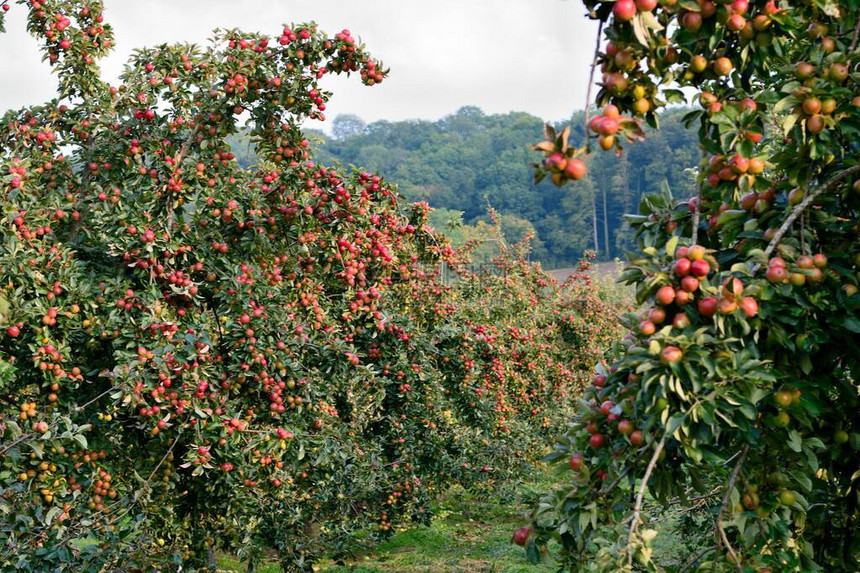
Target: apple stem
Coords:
[[729, 487]]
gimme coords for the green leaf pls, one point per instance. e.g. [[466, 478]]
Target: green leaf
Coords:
[[672, 245], [794, 441]]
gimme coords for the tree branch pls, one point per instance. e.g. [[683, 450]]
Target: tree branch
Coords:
[[695, 558], [856, 37], [729, 487], [803, 205], [591, 84], [640, 495]]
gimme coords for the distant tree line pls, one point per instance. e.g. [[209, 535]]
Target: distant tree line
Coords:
[[467, 161]]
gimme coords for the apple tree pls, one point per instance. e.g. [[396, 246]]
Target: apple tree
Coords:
[[736, 391], [198, 357]]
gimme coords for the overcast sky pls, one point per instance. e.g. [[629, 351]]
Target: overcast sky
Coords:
[[500, 55]]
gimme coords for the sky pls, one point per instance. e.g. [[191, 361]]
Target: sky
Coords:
[[499, 55]]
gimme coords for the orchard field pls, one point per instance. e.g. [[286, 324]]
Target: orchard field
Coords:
[[281, 365]]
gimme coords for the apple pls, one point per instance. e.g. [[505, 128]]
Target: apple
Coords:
[[682, 267], [681, 321], [606, 407], [657, 315], [671, 355], [575, 169], [521, 535], [625, 427], [708, 306], [624, 10], [576, 462], [596, 441], [732, 287], [637, 438], [689, 284], [723, 66], [599, 380], [749, 305], [700, 268], [665, 295], [776, 274]]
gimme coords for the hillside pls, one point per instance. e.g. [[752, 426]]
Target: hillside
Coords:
[[469, 160]]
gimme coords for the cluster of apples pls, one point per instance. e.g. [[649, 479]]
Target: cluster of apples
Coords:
[[564, 168], [806, 268], [690, 268], [607, 125]]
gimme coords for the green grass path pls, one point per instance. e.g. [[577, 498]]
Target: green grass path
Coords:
[[471, 533]]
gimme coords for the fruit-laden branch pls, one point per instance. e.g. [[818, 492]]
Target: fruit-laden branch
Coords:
[[726, 497], [591, 84], [640, 495], [803, 205]]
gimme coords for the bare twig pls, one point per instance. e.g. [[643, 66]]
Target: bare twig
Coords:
[[591, 84], [640, 495], [856, 37], [803, 205], [692, 561], [729, 487], [80, 408]]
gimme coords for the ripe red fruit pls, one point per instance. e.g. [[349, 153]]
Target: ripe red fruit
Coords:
[[657, 315], [682, 267], [606, 407], [611, 110], [819, 260], [727, 305], [596, 441], [637, 438], [732, 287], [647, 328], [690, 284], [665, 295], [696, 253], [805, 262], [625, 427], [576, 462], [691, 21], [521, 535], [671, 355], [624, 10], [681, 321], [591, 428], [700, 268], [575, 169], [708, 306], [682, 297], [776, 274], [749, 305], [811, 106], [599, 381], [646, 5]]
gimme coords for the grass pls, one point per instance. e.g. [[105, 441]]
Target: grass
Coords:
[[471, 533]]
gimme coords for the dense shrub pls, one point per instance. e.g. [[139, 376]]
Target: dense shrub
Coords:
[[197, 356]]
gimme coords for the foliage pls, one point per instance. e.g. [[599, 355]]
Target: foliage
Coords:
[[467, 159], [739, 380], [198, 356]]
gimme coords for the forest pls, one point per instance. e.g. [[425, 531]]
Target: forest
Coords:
[[469, 161]]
